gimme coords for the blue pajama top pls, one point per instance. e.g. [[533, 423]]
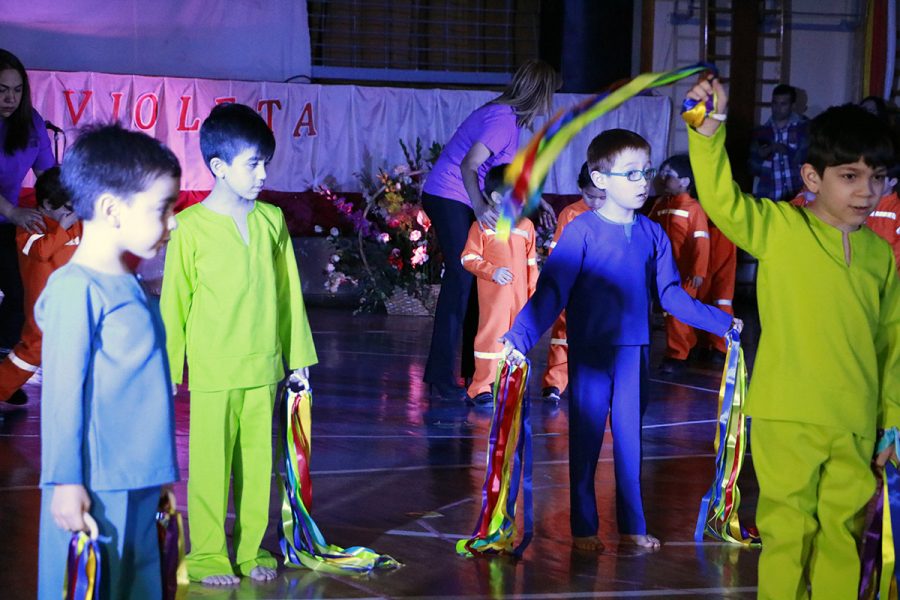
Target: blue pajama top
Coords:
[[603, 274], [107, 415]]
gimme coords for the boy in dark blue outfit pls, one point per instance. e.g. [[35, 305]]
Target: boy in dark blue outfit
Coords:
[[602, 272]]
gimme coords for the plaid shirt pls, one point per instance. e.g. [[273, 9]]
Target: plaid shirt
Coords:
[[778, 176]]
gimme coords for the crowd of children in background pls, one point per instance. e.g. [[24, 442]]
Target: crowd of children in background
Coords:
[[608, 265]]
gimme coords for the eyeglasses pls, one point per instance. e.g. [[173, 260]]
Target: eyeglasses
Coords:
[[634, 174]]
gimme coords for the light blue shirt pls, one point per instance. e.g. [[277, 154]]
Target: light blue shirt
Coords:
[[107, 414]]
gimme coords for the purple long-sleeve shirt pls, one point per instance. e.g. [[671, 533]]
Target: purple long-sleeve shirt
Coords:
[[603, 274], [13, 167]]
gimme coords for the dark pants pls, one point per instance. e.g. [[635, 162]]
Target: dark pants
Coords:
[[12, 315], [456, 315]]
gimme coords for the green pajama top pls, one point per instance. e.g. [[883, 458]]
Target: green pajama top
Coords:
[[235, 308], [830, 347]]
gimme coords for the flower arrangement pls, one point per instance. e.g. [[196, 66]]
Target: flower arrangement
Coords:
[[392, 245]]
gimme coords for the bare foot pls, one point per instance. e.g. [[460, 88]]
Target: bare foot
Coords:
[[260, 573], [590, 543], [221, 580], [644, 541]]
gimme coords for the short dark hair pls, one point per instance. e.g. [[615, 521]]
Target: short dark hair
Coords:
[[49, 190], [681, 164], [584, 176], [611, 143], [783, 89], [110, 159], [232, 128], [493, 180], [845, 134]]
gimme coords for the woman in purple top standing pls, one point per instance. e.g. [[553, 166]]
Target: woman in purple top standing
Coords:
[[24, 146], [452, 199]]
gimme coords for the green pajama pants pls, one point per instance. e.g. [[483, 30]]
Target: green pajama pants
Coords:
[[814, 483], [231, 434]]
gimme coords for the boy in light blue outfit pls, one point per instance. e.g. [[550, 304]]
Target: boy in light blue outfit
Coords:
[[107, 416]]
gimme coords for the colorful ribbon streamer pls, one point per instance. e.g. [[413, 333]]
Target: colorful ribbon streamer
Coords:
[[526, 174], [301, 541], [880, 546], [509, 459], [718, 516], [170, 530], [83, 568]]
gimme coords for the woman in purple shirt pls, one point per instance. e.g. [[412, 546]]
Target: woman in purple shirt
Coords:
[[25, 146], [452, 199]]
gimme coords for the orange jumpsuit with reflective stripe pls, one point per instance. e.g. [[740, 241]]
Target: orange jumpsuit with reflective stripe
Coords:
[[686, 224], [557, 373], [884, 220], [498, 304], [718, 287], [39, 255]]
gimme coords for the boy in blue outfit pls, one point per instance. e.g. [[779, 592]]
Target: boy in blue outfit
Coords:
[[107, 417], [602, 272]]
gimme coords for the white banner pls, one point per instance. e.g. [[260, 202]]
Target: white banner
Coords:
[[325, 133]]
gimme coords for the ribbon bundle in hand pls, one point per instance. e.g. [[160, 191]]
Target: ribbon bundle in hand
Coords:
[[880, 544], [83, 565], [508, 460], [170, 531], [301, 541], [528, 171], [719, 508]]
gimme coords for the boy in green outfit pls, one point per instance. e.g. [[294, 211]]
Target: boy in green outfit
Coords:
[[231, 301], [827, 373]]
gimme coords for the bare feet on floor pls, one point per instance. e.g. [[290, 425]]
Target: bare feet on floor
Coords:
[[221, 580], [260, 573], [589, 543], [644, 541]]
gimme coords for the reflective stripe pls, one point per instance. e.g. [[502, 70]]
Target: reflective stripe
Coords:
[[34, 237], [559, 341], [470, 257], [723, 302], [74, 241], [522, 232], [884, 213], [489, 231], [701, 234], [488, 354], [552, 244], [532, 261], [674, 211], [21, 363]]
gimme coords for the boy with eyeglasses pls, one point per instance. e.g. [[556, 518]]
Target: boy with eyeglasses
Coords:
[[602, 272], [40, 254]]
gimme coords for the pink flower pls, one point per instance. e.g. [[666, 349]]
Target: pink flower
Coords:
[[419, 256], [384, 238], [423, 220], [415, 235]]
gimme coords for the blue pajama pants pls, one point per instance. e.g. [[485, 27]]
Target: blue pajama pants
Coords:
[[604, 380], [129, 560]]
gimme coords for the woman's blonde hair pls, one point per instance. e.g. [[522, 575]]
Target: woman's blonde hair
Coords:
[[530, 92]]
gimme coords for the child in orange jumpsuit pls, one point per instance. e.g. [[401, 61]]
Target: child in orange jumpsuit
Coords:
[[556, 377], [39, 255], [685, 223], [718, 287], [507, 274]]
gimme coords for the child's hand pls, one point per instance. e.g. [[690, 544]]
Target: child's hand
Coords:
[[502, 276], [299, 379], [885, 455], [696, 281], [737, 325], [705, 88], [510, 353], [69, 504], [547, 215]]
